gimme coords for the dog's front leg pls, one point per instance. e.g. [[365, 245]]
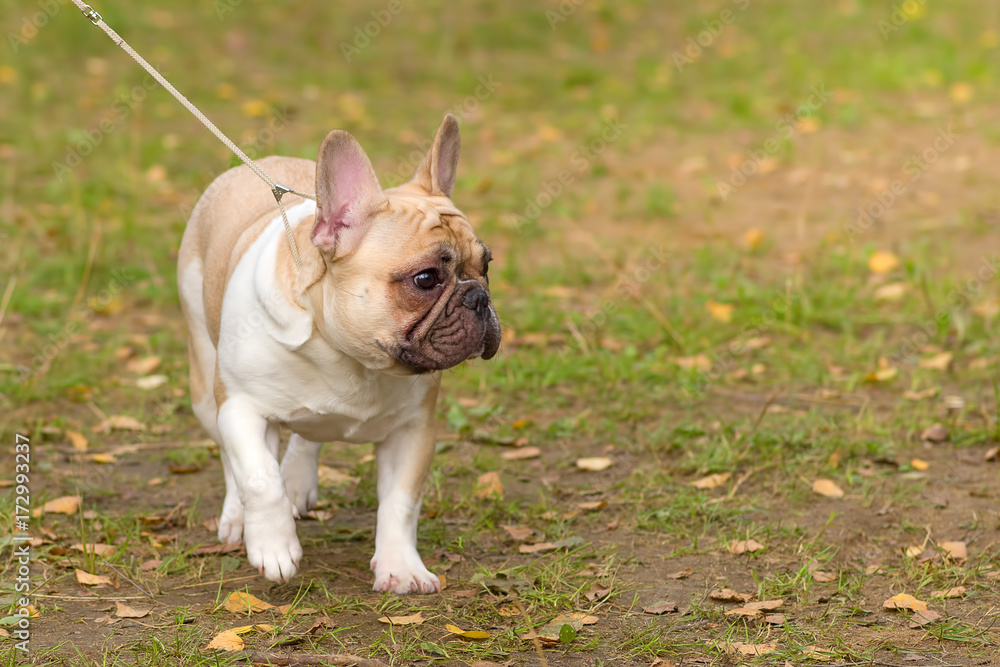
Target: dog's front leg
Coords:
[[268, 514], [403, 459]]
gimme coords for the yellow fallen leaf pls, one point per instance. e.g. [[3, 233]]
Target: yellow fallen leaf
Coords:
[[549, 133], [720, 311], [744, 546], [125, 611], [467, 634], [88, 579], [881, 261], [751, 649], [939, 362], [891, 292], [489, 485], [904, 601], [78, 439], [594, 463], [119, 423], [960, 92], [920, 464], [245, 603], [753, 237], [956, 550], [712, 481], [594, 505], [521, 453], [413, 619], [828, 488], [255, 108], [64, 505], [808, 125], [226, 640], [103, 458], [698, 362]]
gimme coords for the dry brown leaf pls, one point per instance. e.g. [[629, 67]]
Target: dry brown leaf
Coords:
[[698, 362], [744, 546], [518, 533], [935, 433], [955, 550], [923, 617], [574, 617], [751, 649], [891, 292], [227, 640], [823, 577], [817, 653], [245, 603], [102, 550], [103, 458], [119, 423], [919, 464], [150, 565], [594, 463], [745, 612], [88, 579], [729, 595], [882, 375], [720, 311], [597, 592], [489, 485], [658, 662], [953, 592], [663, 607], [712, 481], [591, 506], [412, 619], [827, 487], [286, 609], [992, 454], [78, 439], [682, 574], [125, 611], [881, 261], [143, 366], [765, 605], [939, 362], [64, 505], [775, 619], [521, 454], [904, 601], [921, 395]]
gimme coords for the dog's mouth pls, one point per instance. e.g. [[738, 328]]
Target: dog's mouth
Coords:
[[465, 326]]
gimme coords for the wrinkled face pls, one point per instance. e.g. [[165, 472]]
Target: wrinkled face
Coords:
[[420, 287]]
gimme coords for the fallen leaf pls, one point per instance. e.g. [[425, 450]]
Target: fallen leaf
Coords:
[[151, 565], [744, 546], [245, 603], [591, 506], [818, 653], [751, 649], [151, 382], [88, 579], [954, 592], [226, 640], [729, 595], [594, 463], [102, 550], [143, 366], [682, 574], [923, 617], [828, 488], [775, 619], [125, 611], [765, 605], [597, 592], [288, 610], [955, 550], [574, 616], [935, 433], [881, 375], [904, 601], [920, 464], [698, 362], [753, 237], [881, 261], [64, 505], [537, 548], [489, 485], [413, 619], [720, 311], [745, 612], [712, 481], [119, 423], [921, 395], [913, 551], [467, 634], [103, 458], [939, 362], [823, 577], [517, 533], [992, 454], [891, 292], [521, 453], [660, 608], [329, 476], [78, 439]]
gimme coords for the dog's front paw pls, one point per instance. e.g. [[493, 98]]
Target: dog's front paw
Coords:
[[272, 545], [301, 482], [401, 571]]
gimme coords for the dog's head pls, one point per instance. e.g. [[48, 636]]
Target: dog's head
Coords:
[[408, 278]]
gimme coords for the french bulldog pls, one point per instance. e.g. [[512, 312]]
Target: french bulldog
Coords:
[[392, 290]]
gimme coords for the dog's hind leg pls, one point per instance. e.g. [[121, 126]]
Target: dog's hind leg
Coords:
[[299, 470]]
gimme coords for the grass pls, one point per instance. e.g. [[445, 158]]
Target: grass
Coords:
[[648, 318]]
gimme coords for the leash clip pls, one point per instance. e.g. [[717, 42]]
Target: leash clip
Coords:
[[278, 190], [92, 14]]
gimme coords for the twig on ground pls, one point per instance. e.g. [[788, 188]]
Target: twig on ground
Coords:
[[338, 659]]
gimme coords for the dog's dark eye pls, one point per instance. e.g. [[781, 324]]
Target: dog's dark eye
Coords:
[[427, 279]]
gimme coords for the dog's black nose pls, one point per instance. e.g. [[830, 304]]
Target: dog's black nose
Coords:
[[477, 299]]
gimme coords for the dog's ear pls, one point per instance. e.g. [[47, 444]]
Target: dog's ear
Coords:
[[436, 173], [347, 195]]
